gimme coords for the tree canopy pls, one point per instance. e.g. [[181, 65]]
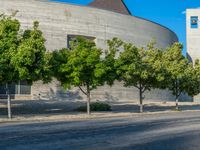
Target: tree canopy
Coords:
[[30, 58], [22, 54], [80, 66], [9, 41], [178, 77], [140, 68]]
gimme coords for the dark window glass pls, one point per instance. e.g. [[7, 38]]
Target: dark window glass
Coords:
[[25, 88], [12, 88], [2, 89], [21, 88]]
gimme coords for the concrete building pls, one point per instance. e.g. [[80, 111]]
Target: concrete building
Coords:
[[100, 20], [193, 33], [193, 36]]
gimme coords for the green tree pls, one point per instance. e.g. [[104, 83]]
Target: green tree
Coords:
[[81, 67], [110, 69], [140, 68], [192, 79], [30, 59], [9, 41], [177, 77], [58, 60]]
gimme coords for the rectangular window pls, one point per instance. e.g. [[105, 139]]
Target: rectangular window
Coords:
[[194, 22], [25, 88], [22, 88], [71, 38], [3, 89], [12, 88]]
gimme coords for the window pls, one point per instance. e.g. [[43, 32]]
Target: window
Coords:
[[71, 38], [22, 88], [194, 22]]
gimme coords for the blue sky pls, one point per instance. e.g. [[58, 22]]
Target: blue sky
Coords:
[[170, 13]]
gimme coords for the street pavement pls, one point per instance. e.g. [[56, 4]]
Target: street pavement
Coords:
[[166, 131]]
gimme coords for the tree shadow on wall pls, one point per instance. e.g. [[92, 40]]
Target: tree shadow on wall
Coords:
[[58, 95], [108, 97], [68, 95]]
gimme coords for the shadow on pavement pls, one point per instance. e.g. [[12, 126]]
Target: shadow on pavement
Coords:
[[45, 107]]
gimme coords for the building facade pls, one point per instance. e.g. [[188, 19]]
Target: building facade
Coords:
[[193, 36], [193, 33], [101, 20]]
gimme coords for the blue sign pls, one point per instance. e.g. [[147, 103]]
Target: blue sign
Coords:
[[194, 22]]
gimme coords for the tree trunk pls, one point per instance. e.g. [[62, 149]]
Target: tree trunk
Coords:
[[177, 93], [141, 101], [9, 102], [177, 103], [88, 100]]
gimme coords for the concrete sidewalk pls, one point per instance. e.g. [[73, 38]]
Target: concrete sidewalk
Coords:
[[44, 110]]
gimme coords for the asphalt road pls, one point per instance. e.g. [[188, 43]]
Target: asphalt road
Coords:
[[173, 131]]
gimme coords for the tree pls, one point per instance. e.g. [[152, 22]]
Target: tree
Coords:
[[110, 69], [59, 58], [193, 79], [140, 68], [30, 58], [22, 57], [9, 41], [81, 67], [177, 66]]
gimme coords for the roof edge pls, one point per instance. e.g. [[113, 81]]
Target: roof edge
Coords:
[[127, 8]]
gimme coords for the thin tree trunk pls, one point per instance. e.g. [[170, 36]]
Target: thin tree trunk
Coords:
[[9, 102], [88, 100], [141, 99], [141, 103], [177, 101], [177, 90]]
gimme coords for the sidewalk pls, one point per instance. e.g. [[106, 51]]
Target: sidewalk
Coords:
[[41, 110]]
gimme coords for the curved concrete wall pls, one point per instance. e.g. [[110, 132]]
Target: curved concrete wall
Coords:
[[58, 20]]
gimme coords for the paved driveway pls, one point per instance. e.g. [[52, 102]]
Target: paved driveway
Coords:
[[172, 131]]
